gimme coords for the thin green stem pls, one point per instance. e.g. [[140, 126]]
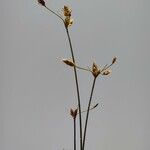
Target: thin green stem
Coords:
[[77, 86], [87, 115], [74, 122]]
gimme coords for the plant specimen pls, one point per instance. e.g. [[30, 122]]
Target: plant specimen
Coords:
[[95, 70]]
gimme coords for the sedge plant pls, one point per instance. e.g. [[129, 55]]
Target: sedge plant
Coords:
[[95, 70]]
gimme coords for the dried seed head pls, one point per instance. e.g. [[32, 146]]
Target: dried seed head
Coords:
[[114, 60], [42, 2], [67, 11], [68, 21], [94, 67], [73, 113], [106, 72], [68, 62], [95, 70], [71, 22]]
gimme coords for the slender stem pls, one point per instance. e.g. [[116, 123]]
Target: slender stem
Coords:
[[54, 13], [83, 68], [90, 108], [106, 67], [74, 122], [75, 73], [87, 115], [77, 86]]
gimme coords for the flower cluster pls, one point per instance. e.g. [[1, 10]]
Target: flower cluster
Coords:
[[68, 21], [104, 71], [95, 70]]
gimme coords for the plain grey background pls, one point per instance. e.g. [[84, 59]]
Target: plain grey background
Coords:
[[37, 89]]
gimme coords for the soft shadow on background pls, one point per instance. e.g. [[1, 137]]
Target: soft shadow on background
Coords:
[[37, 89]]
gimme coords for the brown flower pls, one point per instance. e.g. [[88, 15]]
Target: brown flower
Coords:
[[106, 72], [68, 21], [68, 62], [95, 70], [67, 11], [114, 60], [73, 113], [42, 2]]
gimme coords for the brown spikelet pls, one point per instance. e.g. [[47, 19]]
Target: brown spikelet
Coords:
[[67, 11], [106, 72], [68, 62], [73, 113], [95, 70], [114, 60], [42, 2]]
